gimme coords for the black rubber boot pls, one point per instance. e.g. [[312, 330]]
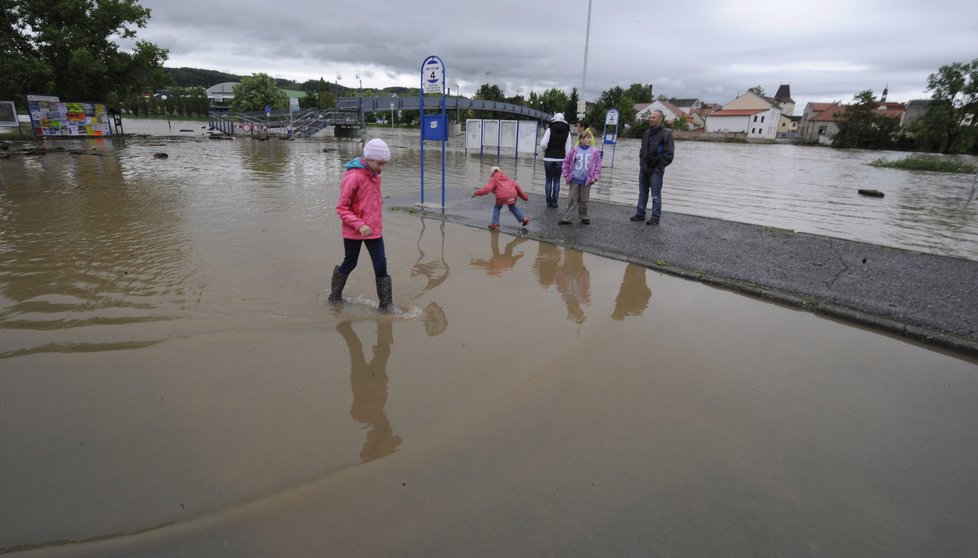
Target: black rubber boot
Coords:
[[337, 284], [385, 294]]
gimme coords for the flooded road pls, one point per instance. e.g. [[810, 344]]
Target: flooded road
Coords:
[[172, 381], [802, 188]]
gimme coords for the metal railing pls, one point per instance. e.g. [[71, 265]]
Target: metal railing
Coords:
[[349, 112]]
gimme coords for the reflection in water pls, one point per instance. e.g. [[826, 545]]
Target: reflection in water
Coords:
[[268, 159], [369, 383], [548, 256], [499, 261], [436, 270], [83, 248], [574, 284], [634, 294]]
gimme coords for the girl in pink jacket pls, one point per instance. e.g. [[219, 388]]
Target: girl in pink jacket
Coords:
[[360, 207], [507, 190], [582, 168]]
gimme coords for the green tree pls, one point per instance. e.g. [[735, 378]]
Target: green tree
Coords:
[[490, 92], [516, 100], [327, 99], [639, 126], [757, 90], [309, 100], [67, 48], [640, 92], [554, 100], [197, 101], [614, 98], [949, 125], [678, 124], [862, 126], [570, 111], [256, 92]]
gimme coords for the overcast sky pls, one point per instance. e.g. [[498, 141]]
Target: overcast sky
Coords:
[[710, 49]]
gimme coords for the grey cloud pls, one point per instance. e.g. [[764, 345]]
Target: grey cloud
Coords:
[[712, 50]]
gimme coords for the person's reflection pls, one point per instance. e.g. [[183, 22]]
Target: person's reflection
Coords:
[[574, 284], [435, 269], [369, 383], [548, 256], [633, 296], [499, 261]]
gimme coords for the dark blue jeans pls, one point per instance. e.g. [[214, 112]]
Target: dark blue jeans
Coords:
[[512, 208], [552, 188], [375, 246], [650, 181]]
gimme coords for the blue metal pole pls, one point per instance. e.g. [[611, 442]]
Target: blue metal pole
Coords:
[[444, 118], [421, 118]]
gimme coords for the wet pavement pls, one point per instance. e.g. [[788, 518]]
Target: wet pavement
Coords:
[[929, 298]]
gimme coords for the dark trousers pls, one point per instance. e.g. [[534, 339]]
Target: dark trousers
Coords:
[[650, 185], [552, 170], [375, 246]]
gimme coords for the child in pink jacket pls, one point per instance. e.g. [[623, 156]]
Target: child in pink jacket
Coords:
[[582, 168], [360, 207], [507, 190]]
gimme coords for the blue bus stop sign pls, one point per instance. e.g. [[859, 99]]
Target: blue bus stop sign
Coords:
[[434, 127]]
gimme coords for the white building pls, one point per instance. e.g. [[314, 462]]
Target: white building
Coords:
[[750, 114]]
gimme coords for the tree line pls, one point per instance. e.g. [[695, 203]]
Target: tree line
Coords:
[[67, 49], [949, 125]]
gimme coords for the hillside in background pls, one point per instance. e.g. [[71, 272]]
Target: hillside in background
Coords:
[[197, 77]]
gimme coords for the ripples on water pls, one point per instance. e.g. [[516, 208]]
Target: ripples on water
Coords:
[[105, 247]]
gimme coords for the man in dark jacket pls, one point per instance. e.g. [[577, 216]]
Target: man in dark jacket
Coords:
[[655, 155]]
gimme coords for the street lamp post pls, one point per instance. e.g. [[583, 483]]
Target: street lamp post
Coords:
[[587, 38], [167, 111], [458, 113], [363, 115], [392, 111]]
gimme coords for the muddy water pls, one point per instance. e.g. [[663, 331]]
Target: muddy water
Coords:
[[168, 363]]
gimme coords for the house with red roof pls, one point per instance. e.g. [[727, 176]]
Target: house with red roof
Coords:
[[820, 121], [669, 111], [750, 114]]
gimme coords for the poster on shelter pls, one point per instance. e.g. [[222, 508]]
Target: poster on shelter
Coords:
[[52, 118]]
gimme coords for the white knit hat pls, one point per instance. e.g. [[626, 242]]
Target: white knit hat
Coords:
[[492, 170], [376, 150], [558, 117]]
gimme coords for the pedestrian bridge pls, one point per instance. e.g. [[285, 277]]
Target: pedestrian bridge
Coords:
[[349, 114]]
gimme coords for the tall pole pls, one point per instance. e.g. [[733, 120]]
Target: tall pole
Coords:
[[587, 40]]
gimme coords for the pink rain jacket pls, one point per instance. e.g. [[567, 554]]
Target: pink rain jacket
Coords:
[[506, 189], [361, 201]]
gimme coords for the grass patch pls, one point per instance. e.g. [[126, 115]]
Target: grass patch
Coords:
[[661, 263], [779, 230], [930, 164]]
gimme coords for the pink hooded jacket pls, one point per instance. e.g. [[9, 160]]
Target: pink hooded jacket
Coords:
[[594, 165], [506, 189], [361, 202]]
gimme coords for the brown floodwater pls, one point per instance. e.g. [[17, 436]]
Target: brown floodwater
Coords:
[[173, 381]]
